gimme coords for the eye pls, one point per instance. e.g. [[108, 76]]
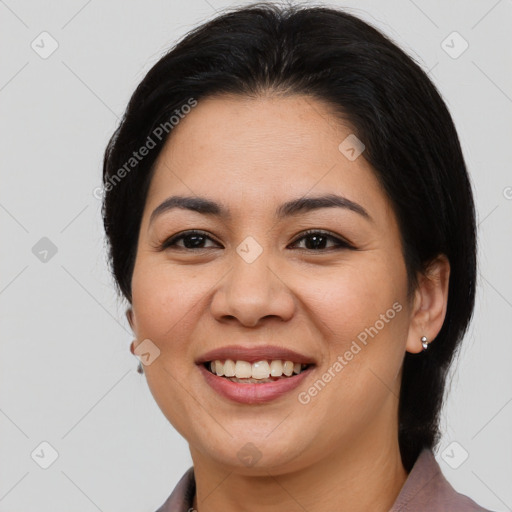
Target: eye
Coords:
[[195, 239], [192, 239], [318, 240]]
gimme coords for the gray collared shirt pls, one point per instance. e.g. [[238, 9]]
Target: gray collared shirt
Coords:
[[425, 490]]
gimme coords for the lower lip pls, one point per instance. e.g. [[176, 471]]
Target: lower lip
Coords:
[[253, 393]]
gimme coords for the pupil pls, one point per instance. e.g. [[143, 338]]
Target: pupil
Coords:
[[316, 244], [196, 240]]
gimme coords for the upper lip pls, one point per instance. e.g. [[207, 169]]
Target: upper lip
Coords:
[[254, 353]]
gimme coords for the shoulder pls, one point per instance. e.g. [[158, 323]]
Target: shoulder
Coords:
[[427, 489]]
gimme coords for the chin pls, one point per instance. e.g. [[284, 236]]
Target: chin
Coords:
[[256, 454]]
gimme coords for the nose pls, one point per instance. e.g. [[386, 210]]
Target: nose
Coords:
[[251, 292]]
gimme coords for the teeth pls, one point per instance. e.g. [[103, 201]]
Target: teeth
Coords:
[[276, 368], [243, 370], [259, 371], [288, 368], [229, 367], [218, 368]]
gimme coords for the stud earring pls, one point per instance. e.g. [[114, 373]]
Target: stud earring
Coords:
[[424, 342]]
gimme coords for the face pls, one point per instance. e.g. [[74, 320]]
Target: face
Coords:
[[323, 286]]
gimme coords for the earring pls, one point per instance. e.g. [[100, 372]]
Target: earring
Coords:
[[424, 342], [139, 366]]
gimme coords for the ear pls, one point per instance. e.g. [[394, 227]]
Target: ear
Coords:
[[131, 321], [430, 303], [129, 317]]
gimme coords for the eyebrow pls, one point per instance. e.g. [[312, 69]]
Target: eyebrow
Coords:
[[288, 209]]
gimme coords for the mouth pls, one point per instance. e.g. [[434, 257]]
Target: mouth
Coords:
[[254, 375]]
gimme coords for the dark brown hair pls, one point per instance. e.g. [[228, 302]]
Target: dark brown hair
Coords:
[[410, 140]]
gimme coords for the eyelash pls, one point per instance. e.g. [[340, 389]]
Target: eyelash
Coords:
[[340, 243]]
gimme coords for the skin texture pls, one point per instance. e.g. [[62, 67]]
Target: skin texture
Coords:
[[340, 450]]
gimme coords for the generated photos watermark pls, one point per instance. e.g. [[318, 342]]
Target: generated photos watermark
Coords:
[[157, 135], [305, 397]]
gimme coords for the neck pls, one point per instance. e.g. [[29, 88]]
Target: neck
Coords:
[[367, 476]]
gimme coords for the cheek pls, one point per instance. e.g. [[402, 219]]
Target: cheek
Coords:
[[164, 299], [356, 300], [362, 315], [163, 308]]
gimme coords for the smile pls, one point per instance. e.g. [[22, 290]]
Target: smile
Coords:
[[256, 374]]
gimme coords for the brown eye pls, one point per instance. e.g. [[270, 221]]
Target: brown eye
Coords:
[[317, 241], [192, 239]]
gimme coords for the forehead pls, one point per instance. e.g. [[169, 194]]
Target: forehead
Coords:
[[259, 151]]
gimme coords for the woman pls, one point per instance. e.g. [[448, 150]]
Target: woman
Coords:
[[290, 218]]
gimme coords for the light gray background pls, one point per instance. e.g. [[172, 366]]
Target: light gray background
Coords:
[[67, 376]]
